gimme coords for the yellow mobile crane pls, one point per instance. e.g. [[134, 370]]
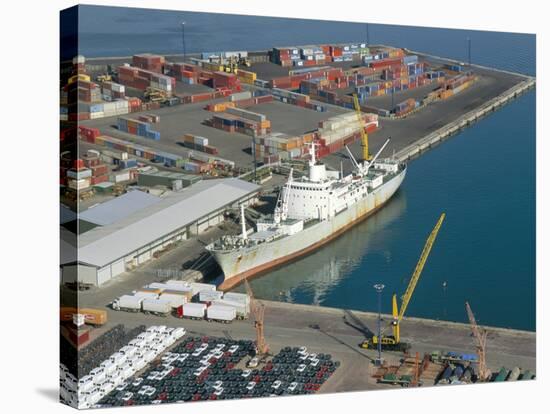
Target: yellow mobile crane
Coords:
[[393, 342], [364, 135]]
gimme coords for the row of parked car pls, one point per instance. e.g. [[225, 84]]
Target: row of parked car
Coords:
[[118, 368], [206, 368], [81, 362]]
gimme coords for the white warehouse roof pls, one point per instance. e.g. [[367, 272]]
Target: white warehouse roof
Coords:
[[118, 208], [103, 245]]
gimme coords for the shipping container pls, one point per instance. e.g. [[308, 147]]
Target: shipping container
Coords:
[[130, 303], [220, 313], [191, 310], [158, 307]]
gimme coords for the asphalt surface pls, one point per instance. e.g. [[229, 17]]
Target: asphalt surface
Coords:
[[339, 332], [176, 121], [406, 131]]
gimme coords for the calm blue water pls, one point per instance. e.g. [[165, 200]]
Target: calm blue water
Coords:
[[483, 178]]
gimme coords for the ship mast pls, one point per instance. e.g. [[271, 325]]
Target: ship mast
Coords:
[[281, 209], [243, 223]]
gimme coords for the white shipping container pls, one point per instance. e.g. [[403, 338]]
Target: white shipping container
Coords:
[[242, 310], [78, 184], [221, 313], [174, 299], [80, 174], [200, 140], [128, 302], [237, 297], [197, 287], [124, 176], [157, 306], [241, 95], [116, 87], [156, 285], [194, 310], [97, 115], [210, 295]]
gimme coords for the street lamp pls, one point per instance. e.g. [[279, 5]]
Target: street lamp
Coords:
[[183, 38], [379, 288]]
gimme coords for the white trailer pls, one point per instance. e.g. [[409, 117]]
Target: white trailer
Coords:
[[221, 313], [175, 299], [157, 307], [210, 295], [242, 310], [128, 303], [146, 295], [192, 310], [197, 287], [238, 297]]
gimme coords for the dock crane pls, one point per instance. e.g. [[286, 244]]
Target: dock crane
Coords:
[[258, 309], [393, 342], [364, 136], [480, 336]]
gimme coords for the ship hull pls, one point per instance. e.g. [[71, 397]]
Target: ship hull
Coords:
[[253, 261]]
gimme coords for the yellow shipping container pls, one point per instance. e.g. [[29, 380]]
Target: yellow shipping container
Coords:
[[100, 140]]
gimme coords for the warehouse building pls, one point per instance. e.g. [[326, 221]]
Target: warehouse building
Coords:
[[127, 242]]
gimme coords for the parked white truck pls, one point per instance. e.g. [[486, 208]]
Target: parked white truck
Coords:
[[221, 313], [157, 307], [242, 310], [191, 311], [128, 303]]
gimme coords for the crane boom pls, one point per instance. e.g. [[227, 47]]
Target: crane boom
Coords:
[[419, 267], [364, 135], [480, 336], [258, 310], [394, 342]]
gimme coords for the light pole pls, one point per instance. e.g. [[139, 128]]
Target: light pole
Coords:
[[368, 37], [183, 38], [469, 52], [254, 155], [379, 288]]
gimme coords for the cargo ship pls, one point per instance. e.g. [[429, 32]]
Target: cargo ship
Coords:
[[310, 211]]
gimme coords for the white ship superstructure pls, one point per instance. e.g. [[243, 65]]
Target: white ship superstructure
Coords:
[[310, 211]]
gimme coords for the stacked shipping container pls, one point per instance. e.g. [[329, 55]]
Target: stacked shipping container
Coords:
[[142, 79], [111, 91], [239, 120], [137, 127], [199, 143], [153, 63]]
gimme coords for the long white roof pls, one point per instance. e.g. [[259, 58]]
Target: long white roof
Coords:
[[118, 208], [103, 245]]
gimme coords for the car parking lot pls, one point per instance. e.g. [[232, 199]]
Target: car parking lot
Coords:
[[209, 368]]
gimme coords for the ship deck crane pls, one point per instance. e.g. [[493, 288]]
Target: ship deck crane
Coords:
[[364, 136], [480, 336], [393, 342], [258, 310]]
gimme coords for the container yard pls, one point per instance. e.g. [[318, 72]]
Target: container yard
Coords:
[[166, 149], [288, 93]]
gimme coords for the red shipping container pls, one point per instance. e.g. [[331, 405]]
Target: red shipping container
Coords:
[[99, 179], [98, 170]]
